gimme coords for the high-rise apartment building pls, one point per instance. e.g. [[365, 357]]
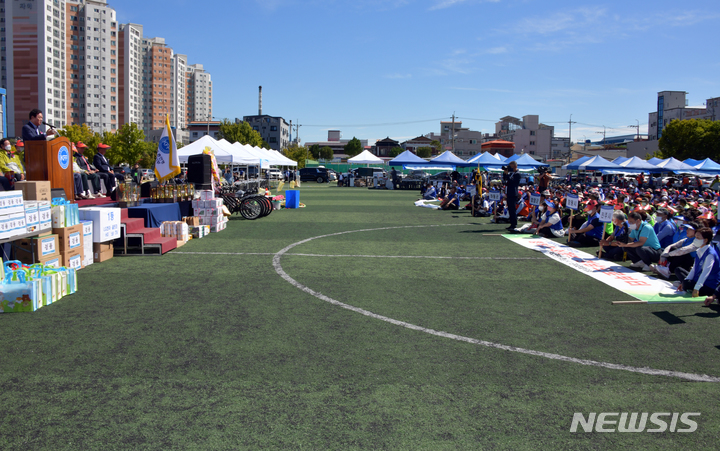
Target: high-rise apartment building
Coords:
[[199, 94], [72, 60], [178, 105], [33, 60], [130, 89], [92, 65]]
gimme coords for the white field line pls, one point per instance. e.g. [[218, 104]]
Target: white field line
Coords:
[[363, 256], [612, 366]]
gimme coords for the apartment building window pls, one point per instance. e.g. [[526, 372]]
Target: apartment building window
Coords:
[[532, 143], [532, 132]]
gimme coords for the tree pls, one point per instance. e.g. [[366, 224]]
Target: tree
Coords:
[[129, 145], [424, 152], [149, 155], [694, 138], [241, 133], [77, 133], [353, 147], [297, 154], [326, 153], [435, 146], [395, 151], [314, 151]]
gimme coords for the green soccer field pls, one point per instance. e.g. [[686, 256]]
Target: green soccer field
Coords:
[[358, 322]]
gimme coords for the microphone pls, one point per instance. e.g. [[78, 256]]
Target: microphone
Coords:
[[48, 125]]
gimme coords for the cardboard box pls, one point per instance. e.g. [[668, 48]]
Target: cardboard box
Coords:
[[24, 255], [207, 195], [100, 257], [70, 238], [72, 258], [106, 222], [32, 216], [11, 202], [45, 246], [35, 190], [102, 247], [45, 213], [192, 221], [12, 225]]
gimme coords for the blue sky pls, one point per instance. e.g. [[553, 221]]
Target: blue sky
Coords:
[[361, 65]]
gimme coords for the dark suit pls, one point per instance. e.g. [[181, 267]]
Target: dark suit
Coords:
[[32, 133], [512, 182], [85, 166], [103, 166]]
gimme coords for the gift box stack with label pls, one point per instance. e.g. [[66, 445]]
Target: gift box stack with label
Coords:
[[105, 230], [88, 257], [26, 288], [210, 212], [32, 216], [43, 250], [67, 227], [12, 214]]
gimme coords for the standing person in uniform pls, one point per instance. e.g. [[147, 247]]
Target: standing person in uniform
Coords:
[[511, 178]]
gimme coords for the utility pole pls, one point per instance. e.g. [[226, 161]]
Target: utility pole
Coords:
[[636, 127], [603, 133], [570, 122], [452, 133]]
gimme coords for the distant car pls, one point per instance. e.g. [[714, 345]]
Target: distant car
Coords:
[[440, 176], [369, 172], [149, 174], [319, 175], [418, 175], [274, 174]]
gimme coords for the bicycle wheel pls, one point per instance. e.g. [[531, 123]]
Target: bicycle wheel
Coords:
[[268, 206], [251, 208]]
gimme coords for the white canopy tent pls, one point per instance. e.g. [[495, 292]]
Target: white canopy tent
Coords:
[[366, 157], [285, 160], [197, 147]]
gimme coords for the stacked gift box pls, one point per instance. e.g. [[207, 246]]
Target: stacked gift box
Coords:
[[88, 258], [67, 227], [209, 210], [105, 229], [175, 229], [12, 214]]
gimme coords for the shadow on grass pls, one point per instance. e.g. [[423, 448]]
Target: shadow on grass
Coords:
[[674, 319]]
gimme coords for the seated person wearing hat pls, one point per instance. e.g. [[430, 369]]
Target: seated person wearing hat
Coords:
[[665, 227], [704, 276], [643, 247], [551, 225], [91, 174], [679, 255], [591, 232], [610, 246], [535, 217], [103, 166]]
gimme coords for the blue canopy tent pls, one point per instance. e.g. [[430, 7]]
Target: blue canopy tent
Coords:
[[406, 157], [675, 165], [525, 161], [692, 162], [638, 165], [599, 163], [575, 165], [620, 160], [485, 160], [653, 160], [707, 166], [448, 158]]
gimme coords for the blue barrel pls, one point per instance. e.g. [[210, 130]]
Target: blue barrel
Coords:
[[292, 199]]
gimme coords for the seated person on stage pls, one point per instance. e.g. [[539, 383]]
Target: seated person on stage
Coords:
[[643, 247], [31, 130], [680, 255], [610, 245], [82, 189], [93, 176], [103, 166], [10, 163], [430, 192], [551, 225], [704, 277], [665, 227], [451, 201], [591, 232]]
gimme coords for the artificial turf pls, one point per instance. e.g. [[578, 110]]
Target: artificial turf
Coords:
[[209, 348]]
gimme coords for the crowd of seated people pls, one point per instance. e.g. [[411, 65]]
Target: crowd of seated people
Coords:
[[671, 232]]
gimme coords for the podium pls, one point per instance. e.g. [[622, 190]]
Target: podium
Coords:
[[51, 160]]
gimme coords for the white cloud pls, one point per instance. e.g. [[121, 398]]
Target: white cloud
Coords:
[[442, 4], [497, 50]]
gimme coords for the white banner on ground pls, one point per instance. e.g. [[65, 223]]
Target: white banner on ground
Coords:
[[633, 283]]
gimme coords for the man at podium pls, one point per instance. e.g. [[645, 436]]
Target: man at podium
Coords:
[[31, 130]]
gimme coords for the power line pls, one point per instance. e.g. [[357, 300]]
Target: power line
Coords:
[[378, 125]]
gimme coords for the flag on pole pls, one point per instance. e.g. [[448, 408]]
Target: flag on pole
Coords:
[[167, 163]]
